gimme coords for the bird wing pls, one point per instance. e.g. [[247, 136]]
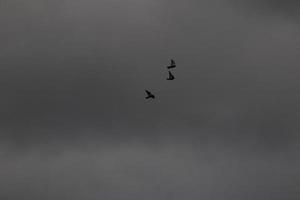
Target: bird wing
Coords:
[[172, 62], [148, 93]]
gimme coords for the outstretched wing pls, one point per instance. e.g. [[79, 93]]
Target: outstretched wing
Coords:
[[148, 93], [172, 62]]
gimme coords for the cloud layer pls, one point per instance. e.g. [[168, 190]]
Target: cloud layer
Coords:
[[74, 123]]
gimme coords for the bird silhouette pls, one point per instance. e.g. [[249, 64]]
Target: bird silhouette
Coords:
[[150, 95], [171, 77], [172, 65]]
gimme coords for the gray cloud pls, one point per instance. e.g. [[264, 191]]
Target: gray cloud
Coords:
[[288, 9], [133, 172], [75, 66], [74, 123]]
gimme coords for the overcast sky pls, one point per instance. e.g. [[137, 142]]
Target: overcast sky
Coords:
[[75, 124]]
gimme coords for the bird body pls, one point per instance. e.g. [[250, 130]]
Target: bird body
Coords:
[[171, 77]]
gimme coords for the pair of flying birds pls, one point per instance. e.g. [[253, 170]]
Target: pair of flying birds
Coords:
[[171, 77]]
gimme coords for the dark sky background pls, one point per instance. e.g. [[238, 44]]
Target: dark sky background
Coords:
[[74, 123]]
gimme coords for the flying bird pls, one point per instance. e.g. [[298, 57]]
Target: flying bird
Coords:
[[172, 65], [150, 95], [171, 77]]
